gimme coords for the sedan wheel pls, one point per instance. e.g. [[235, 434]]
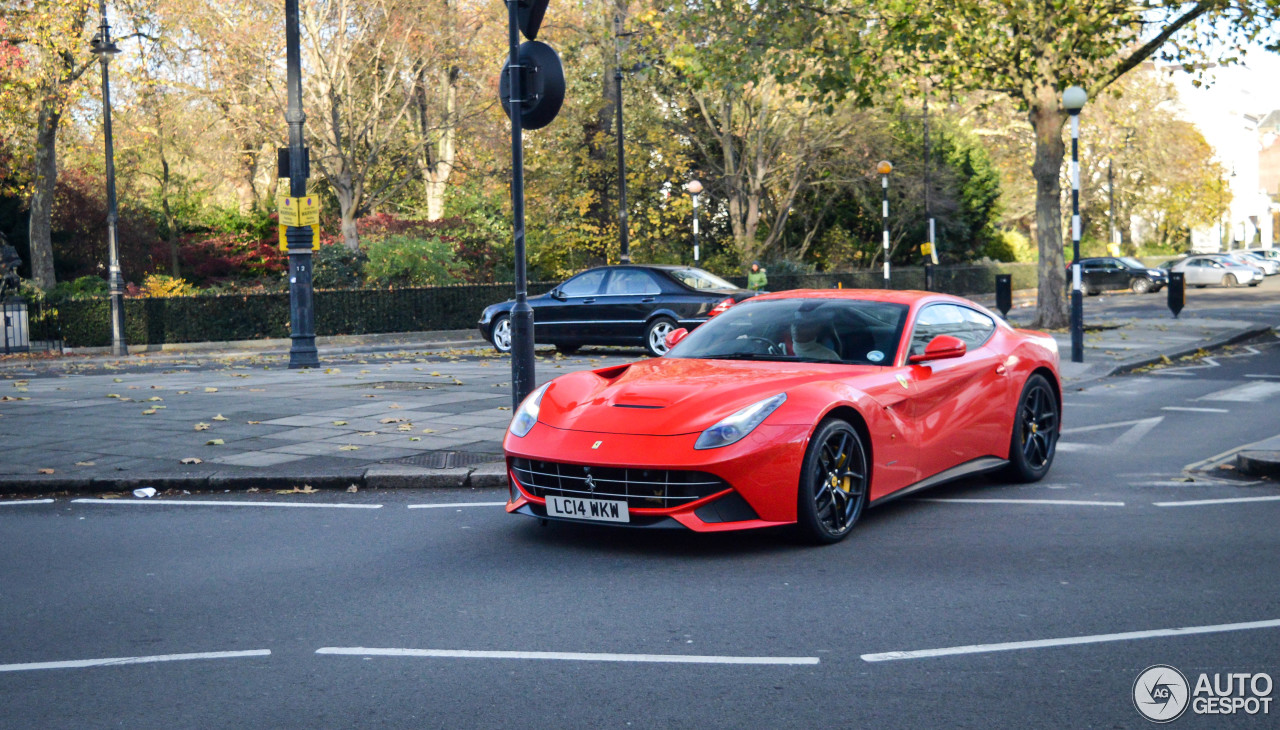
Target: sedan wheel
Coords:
[[833, 483], [502, 333], [1141, 285], [1035, 432], [1229, 280], [655, 336]]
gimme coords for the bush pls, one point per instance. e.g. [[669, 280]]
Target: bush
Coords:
[[1009, 246], [403, 261], [163, 286], [245, 255], [85, 287], [335, 266]]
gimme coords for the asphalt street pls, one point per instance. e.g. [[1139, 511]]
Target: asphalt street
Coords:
[[437, 609]]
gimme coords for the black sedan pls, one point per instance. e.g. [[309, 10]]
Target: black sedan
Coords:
[[1107, 273], [618, 305]]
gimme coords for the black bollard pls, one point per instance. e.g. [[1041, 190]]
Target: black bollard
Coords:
[[1177, 292], [1004, 294], [928, 277]]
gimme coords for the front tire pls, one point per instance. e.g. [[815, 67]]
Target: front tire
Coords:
[[655, 335], [1035, 432], [1229, 281], [833, 483], [1141, 285], [502, 333]]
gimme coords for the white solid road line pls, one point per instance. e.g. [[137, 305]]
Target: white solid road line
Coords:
[[457, 504], [1083, 503], [1261, 375], [119, 661], [1199, 502], [1195, 410], [25, 501], [218, 503], [1069, 641], [568, 656]]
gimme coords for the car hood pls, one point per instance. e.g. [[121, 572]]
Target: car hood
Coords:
[[669, 396]]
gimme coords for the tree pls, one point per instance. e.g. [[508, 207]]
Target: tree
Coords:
[[51, 35], [1031, 51]]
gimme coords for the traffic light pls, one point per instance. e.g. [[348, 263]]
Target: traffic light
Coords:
[[541, 81]]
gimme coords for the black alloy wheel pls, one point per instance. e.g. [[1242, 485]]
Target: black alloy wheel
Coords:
[[1035, 432], [1141, 285], [833, 483]]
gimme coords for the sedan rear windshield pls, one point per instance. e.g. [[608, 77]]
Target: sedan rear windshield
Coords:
[[800, 330], [699, 279]]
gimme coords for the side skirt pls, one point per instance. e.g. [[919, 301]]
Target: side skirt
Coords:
[[981, 465]]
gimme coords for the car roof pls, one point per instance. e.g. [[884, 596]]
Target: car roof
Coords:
[[906, 297]]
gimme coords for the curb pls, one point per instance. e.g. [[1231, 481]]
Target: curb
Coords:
[[375, 476], [1244, 333]]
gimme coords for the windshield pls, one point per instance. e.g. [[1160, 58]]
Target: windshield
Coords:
[[1130, 261], [800, 330], [699, 279]]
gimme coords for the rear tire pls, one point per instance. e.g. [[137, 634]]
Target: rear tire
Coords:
[[834, 482], [655, 335], [1035, 432]]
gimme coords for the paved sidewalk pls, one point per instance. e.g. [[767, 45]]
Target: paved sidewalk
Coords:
[[381, 412]]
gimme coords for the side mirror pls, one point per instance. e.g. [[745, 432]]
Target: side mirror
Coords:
[[674, 337], [942, 347], [557, 295]]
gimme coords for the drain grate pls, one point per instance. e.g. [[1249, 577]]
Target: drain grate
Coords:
[[446, 459], [396, 385]]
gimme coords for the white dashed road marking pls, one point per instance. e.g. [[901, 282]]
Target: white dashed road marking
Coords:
[[1195, 410], [10, 503], [1202, 502], [457, 504], [1068, 641], [220, 503], [120, 661], [568, 656], [1073, 502], [1247, 393]]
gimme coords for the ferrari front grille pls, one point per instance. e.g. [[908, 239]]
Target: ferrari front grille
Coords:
[[652, 488]]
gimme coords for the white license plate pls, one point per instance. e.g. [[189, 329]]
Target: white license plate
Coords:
[[606, 510]]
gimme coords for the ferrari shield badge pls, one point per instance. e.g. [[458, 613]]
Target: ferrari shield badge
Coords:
[[902, 380]]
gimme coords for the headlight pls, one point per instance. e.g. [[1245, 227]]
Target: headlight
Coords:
[[527, 414], [735, 427], [1154, 272]]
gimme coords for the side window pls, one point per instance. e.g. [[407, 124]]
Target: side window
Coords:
[[631, 281], [971, 327], [584, 284]]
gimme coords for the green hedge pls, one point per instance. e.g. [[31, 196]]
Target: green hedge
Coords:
[[85, 322]]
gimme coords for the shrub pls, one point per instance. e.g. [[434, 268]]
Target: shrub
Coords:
[[164, 286], [85, 287], [1009, 246], [403, 261], [335, 266], [246, 255]]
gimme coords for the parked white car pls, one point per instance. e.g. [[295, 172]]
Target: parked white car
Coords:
[[1270, 267], [1216, 269]]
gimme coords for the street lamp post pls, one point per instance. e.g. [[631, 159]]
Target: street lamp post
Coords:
[[104, 48], [1073, 99], [623, 235], [302, 332], [884, 168], [695, 188]]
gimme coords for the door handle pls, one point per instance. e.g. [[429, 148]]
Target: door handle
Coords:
[[647, 299], [589, 300]]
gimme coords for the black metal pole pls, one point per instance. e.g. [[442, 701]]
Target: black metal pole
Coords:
[[623, 235], [302, 333], [105, 49], [1077, 296], [522, 375]]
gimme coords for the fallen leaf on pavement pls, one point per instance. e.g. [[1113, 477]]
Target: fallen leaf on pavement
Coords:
[[405, 427], [304, 489], [149, 412], [84, 463], [155, 399], [253, 423], [117, 380], [192, 460], [368, 433], [414, 438], [393, 420], [109, 395], [353, 489], [183, 392], [45, 471], [219, 417], [435, 374], [339, 423], [348, 447], [213, 442], [504, 408], [428, 430], [211, 390], [202, 427]]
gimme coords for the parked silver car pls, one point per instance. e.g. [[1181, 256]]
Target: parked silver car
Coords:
[[1216, 269], [1270, 267]]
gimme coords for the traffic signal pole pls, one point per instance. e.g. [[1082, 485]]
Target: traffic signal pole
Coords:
[[522, 367]]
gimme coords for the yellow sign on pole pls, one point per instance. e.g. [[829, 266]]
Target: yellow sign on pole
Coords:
[[926, 249], [315, 238], [303, 211]]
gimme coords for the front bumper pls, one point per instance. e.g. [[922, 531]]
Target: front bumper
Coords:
[[760, 474]]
